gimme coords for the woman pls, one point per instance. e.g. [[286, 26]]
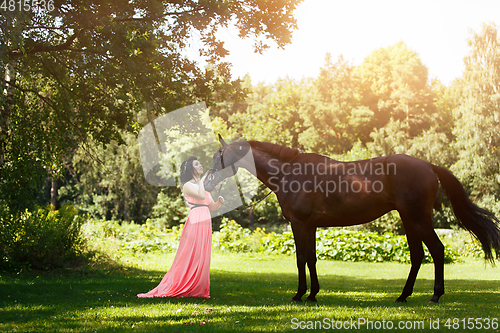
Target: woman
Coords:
[[189, 275]]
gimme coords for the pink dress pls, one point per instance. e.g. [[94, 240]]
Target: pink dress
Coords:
[[189, 275]]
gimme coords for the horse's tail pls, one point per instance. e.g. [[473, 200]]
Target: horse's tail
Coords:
[[482, 224]]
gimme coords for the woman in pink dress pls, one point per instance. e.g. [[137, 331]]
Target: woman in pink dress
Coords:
[[189, 275]]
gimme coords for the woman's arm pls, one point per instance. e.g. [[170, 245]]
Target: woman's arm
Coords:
[[215, 205], [191, 191]]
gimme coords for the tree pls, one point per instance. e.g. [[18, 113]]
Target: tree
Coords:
[[390, 139], [90, 65], [327, 109], [394, 84], [477, 118], [271, 114], [112, 185]]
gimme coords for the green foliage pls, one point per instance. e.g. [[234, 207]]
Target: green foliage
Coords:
[[331, 115], [491, 203], [358, 151], [280, 243], [146, 238], [387, 103], [331, 244], [462, 242], [231, 237], [346, 245], [93, 64], [124, 238], [170, 209], [31, 155], [83, 72], [234, 238], [268, 211], [477, 119], [443, 217], [388, 223], [394, 84], [391, 139], [270, 113], [41, 238], [111, 182]]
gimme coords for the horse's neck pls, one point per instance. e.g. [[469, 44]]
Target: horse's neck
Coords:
[[267, 167]]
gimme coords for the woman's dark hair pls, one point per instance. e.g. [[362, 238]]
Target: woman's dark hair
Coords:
[[187, 170]]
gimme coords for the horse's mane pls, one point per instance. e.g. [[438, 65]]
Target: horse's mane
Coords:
[[280, 152]]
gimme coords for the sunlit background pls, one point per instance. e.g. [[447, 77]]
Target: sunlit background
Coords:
[[436, 30]]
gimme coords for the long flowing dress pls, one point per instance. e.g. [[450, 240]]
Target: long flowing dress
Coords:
[[189, 275]]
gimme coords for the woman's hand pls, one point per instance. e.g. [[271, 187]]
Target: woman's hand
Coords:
[[202, 180], [216, 204]]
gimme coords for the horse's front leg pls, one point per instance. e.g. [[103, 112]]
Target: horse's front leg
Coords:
[[300, 249], [311, 262]]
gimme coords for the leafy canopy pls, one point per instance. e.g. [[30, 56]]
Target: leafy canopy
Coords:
[[84, 69]]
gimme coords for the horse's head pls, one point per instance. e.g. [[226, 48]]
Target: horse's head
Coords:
[[226, 162]]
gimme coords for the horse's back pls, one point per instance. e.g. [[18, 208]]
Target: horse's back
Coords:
[[360, 191]]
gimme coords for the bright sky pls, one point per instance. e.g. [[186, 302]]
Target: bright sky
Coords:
[[436, 29]]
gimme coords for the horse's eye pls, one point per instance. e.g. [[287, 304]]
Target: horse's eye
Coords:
[[210, 177]]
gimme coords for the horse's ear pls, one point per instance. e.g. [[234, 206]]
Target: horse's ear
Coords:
[[222, 142]]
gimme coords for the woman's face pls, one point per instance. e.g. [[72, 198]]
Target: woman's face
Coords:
[[197, 168]]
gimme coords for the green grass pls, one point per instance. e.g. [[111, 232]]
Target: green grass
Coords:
[[248, 293]]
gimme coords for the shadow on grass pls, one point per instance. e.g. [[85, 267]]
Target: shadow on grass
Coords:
[[106, 300]]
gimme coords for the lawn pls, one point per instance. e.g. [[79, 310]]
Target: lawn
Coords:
[[248, 293]]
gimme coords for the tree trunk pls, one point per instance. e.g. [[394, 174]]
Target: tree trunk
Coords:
[[251, 217], [6, 108], [54, 192]]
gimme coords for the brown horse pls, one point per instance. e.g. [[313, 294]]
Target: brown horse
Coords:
[[316, 191]]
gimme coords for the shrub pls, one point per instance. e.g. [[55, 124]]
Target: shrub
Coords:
[[131, 237], [41, 239], [462, 242], [170, 210], [148, 238], [388, 223], [338, 244], [233, 237], [331, 243]]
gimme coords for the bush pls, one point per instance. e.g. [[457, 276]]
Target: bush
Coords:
[[130, 237], [331, 243], [462, 242], [40, 239], [170, 210], [443, 217], [388, 223], [148, 238], [338, 244], [233, 237]]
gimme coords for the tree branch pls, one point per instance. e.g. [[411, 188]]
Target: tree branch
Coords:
[[46, 100], [47, 48], [142, 19], [14, 54], [83, 138]]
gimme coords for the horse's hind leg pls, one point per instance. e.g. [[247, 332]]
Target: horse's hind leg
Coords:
[[436, 248], [311, 262], [416, 257], [299, 236], [425, 232]]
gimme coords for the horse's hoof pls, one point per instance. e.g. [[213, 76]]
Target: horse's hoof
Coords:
[[432, 302], [297, 300], [401, 300], [311, 299]]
